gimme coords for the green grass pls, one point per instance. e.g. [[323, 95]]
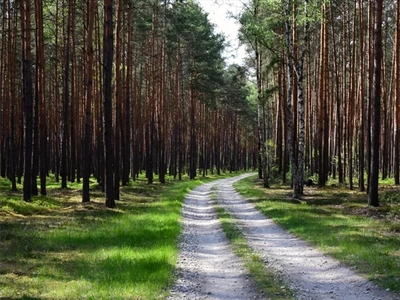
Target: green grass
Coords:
[[339, 223], [266, 279], [55, 247]]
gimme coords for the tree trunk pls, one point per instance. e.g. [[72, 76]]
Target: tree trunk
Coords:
[[108, 44], [87, 144], [193, 141], [397, 97], [41, 96], [361, 181], [27, 95], [301, 109], [66, 104], [376, 102], [289, 113], [118, 99]]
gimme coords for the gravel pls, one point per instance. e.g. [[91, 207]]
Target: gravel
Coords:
[[208, 269]]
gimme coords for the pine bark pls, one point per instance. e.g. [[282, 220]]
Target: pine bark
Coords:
[[25, 7], [87, 143], [108, 44], [373, 198], [397, 97], [289, 112]]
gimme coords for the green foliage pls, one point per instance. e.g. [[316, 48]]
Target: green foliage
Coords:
[[190, 27], [235, 91], [261, 23], [389, 197], [55, 247], [5, 184]]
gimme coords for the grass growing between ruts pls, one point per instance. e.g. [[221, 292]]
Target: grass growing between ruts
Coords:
[[339, 223], [266, 280], [55, 247]]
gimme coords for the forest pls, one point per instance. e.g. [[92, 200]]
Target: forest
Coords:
[[130, 146], [116, 88], [328, 90]]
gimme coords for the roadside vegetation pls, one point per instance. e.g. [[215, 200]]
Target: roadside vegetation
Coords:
[[56, 247], [340, 223]]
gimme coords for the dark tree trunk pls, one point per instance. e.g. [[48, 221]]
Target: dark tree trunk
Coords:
[[397, 98], [193, 142], [35, 156], [108, 42], [27, 95], [376, 104], [65, 138], [41, 97], [87, 143], [126, 145]]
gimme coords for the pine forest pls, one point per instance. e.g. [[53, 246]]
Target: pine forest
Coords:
[[118, 88]]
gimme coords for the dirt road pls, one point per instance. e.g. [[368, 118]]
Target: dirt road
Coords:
[[208, 269]]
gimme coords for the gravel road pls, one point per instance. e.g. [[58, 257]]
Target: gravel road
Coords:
[[208, 269]]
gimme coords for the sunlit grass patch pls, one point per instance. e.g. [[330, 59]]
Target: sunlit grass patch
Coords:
[[340, 223], [56, 247]]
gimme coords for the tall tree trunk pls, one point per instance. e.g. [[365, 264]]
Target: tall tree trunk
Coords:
[[338, 105], [56, 105], [193, 140], [370, 97], [66, 103], [25, 7], [126, 143], [375, 128], [261, 116], [301, 120], [41, 95], [118, 99], [397, 97], [361, 181], [35, 154], [87, 144], [108, 44], [289, 113], [323, 168]]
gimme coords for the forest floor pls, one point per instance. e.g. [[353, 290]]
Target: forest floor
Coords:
[[209, 269]]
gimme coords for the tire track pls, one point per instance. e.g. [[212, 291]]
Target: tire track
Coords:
[[311, 274], [207, 266]]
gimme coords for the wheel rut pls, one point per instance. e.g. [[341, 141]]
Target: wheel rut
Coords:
[[207, 266], [208, 269]]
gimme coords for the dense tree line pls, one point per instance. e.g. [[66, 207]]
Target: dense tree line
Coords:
[[335, 65], [118, 88], [114, 89]]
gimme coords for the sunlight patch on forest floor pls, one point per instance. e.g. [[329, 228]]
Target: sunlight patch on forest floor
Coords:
[[340, 223], [56, 247]]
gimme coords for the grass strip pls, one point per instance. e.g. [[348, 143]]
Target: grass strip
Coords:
[[339, 223], [267, 281], [55, 247]]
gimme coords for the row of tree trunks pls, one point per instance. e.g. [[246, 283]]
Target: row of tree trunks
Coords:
[[328, 58], [93, 111]]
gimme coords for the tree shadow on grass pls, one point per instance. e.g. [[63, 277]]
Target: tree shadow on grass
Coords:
[[20, 298], [132, 252]]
